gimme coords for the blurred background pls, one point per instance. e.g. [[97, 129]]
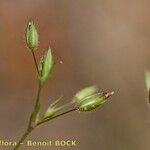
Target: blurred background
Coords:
[[100, 42]]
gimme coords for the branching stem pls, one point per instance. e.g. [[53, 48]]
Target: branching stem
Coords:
[[30, 126], [29, 130]]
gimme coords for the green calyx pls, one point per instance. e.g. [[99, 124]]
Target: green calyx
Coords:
[[31, 36], [89, 98], [93, 101], [46, 66]]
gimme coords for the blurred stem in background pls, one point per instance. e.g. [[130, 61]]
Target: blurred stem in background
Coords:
[[147, 83], [84, 100]]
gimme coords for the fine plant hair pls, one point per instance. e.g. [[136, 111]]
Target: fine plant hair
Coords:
[[84, 100]]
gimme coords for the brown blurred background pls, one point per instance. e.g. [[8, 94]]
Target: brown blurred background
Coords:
[[100, 42]]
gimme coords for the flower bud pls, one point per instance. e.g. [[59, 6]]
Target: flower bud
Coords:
[[90, 99], [147, 80], [31, 36], [50, 113], [46, 66], [52, 109]]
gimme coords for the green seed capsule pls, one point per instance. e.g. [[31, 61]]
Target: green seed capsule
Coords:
[[93, 101], [31, 36]]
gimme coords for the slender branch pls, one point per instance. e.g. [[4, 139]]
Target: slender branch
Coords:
[[38, 95], [29, 130], [64, 113], [36, 104], [39, 84], [35, 62], [30, 127]]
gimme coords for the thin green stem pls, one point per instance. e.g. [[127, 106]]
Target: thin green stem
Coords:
[[64, 113], [30, 126], [36, 104], [29, 130], [39, 90], [35, 62], [38, 95]]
